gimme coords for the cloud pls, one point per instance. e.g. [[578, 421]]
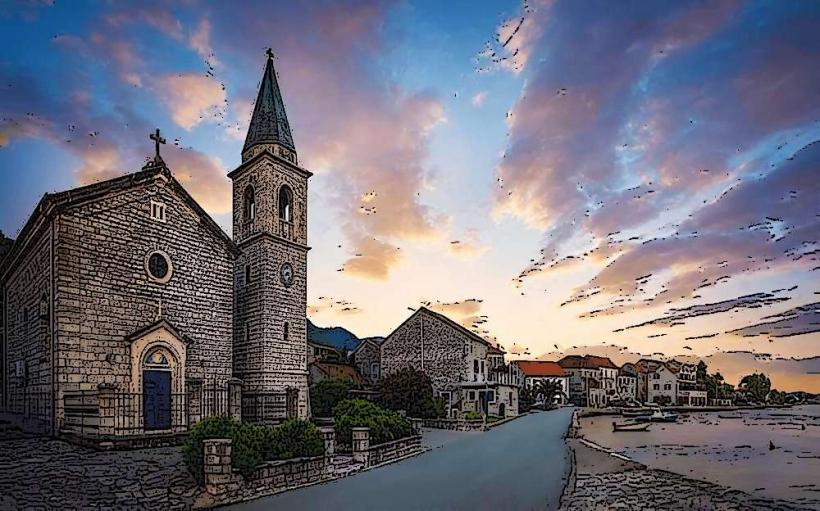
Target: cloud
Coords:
[[469, 247], [760, 224], [600, 151], [200, 40], [203, 176], [192, 99], [373, 259], [678, 316], [801, 320], [515, 39], [478, 99]]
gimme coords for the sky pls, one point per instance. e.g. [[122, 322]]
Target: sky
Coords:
[[622, 178]]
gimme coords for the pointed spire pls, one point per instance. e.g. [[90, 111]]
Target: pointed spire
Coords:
[[269, 124]]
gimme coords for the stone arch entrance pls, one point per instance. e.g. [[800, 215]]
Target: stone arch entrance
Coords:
[[158, 357]]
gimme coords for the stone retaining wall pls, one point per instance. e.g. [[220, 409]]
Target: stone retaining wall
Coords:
[[225, 485], [456, 424], [390, 451]]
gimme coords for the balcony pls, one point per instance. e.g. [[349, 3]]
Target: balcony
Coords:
[[687, 385]]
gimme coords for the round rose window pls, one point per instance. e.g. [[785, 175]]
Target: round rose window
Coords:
[[158, 266]]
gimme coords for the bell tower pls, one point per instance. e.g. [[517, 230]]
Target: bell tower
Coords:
[[270, 274]]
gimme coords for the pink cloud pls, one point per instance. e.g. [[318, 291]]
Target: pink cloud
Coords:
[[192, 99]]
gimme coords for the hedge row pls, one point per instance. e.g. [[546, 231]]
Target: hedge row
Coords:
[[384, 425], [252, 444]]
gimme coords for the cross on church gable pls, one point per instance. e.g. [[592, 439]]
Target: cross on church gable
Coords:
[[157, 138]]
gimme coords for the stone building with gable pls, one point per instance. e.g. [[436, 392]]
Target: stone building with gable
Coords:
[[458, 362], [128, 313]]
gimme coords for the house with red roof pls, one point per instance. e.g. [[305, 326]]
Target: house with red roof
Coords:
[[533, 371]]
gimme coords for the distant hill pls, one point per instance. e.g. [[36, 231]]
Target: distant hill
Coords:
[[337, 337]]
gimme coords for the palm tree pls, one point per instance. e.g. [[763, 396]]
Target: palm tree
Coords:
[[546, 391]]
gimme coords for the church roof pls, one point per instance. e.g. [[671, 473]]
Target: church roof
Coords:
[[453, 324], [269, 124]]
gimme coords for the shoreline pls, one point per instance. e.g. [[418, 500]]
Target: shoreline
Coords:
[[602, 479]]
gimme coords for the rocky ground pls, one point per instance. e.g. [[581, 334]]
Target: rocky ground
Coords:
[[40, 473], [602, 482]]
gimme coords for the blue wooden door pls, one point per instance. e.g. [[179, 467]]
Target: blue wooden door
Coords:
[[157, 399]]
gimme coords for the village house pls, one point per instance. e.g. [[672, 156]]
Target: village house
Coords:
[[318, 351], [627, 384], [669, 383], [458, 362], [689, 393], [593, 380], [367, 359], [321, 370], [534, 371], [129, 314]]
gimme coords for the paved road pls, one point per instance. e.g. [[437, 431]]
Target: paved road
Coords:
[[517, 466]]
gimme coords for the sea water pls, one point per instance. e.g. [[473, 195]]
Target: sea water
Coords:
[[729, 448]]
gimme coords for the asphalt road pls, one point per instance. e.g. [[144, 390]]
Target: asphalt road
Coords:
[[520, 465]]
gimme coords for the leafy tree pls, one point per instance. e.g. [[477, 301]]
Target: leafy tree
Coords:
[[546, 391], [757, 386], [776, 397], [525, 400], [409, 390], [700, 374], [326, 394]]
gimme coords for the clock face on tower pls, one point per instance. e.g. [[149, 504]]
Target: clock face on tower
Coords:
[[286, 274]]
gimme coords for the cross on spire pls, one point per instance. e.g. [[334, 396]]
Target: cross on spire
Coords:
[[269, 53], [157, 141]]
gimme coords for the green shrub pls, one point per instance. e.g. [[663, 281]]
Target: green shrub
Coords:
[[326, 394], [294, 438], [384, 425], [412, 391], [251, 445], [471, 416]]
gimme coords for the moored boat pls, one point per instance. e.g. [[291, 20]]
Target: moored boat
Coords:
[[636, 412], [658, 416], [630, 426]]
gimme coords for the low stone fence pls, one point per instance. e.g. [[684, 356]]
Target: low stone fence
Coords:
[[372, 455], [225, 485], [456, 424]]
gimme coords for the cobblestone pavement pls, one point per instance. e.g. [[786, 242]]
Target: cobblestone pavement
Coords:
[[603, 482], [41, 473]]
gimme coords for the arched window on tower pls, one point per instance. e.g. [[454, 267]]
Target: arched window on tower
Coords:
[[286, 211], [250, 204], [286, 203]]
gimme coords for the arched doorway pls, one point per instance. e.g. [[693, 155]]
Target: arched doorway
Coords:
[[156, 389]]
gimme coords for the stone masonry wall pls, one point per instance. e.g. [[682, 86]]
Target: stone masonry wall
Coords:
[[448, 353], [104, 293], [28, 331]]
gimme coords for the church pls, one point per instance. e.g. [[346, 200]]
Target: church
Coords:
[[129, 315]]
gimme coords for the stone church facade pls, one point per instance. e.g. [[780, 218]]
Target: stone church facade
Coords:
[[127, 312]]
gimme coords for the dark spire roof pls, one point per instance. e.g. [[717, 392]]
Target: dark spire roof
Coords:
[[269, 124]]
